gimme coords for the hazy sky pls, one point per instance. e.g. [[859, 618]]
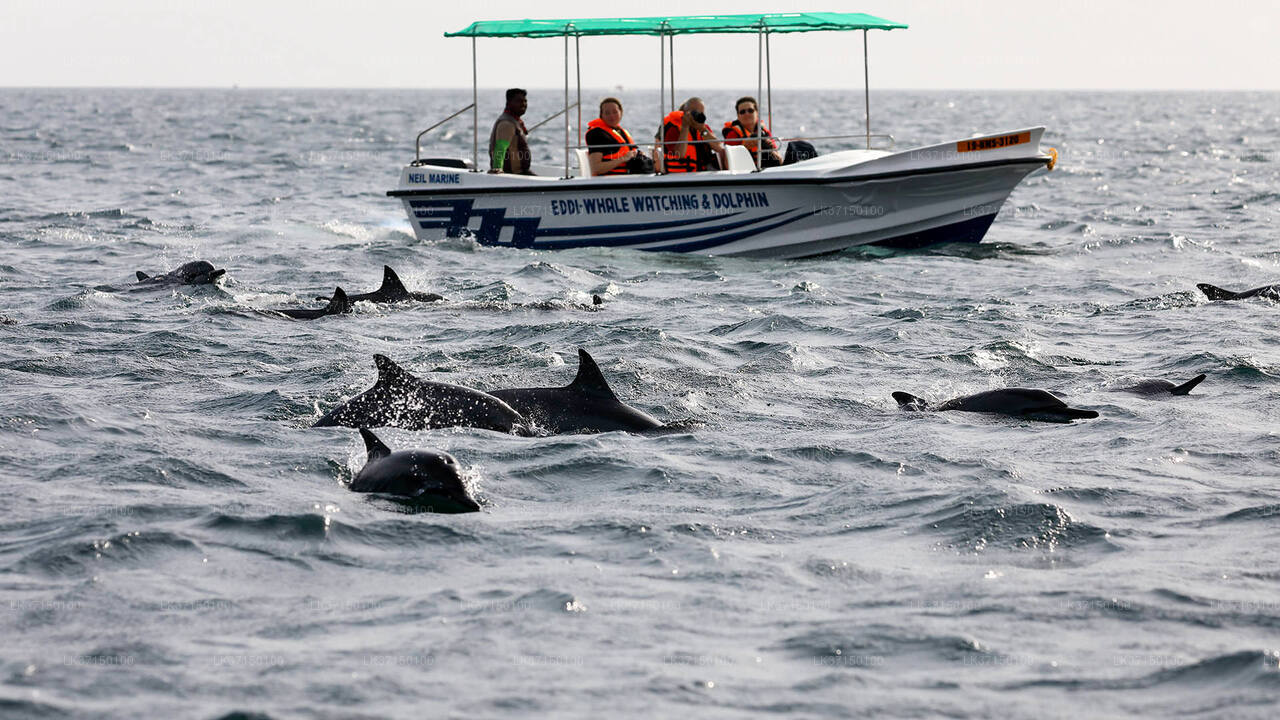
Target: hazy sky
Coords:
[[1062, 44]]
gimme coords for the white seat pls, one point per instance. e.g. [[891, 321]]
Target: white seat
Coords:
[[584, 163], [739, 159]]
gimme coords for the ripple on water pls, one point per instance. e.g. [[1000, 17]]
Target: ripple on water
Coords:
[[1043, 527]]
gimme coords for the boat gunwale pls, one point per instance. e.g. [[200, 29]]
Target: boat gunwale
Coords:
[[746, 179]]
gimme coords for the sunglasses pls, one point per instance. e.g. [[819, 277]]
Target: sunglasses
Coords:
[[747, 111]]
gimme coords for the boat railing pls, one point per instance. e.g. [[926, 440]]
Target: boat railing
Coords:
[[417, 143], [417, 154], [752, 138], [553, 116]]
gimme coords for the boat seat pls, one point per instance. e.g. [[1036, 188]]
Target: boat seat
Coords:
[[584, 163], [739, 159]]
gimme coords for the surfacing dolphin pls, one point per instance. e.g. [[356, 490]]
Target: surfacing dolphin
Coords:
[[339, 304], [392, 291], [1213, 292], [1026, 403], [197, 272], [1164, 387], [398, 399], [430, 479], [585, 405]]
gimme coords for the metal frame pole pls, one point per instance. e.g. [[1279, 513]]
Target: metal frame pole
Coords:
[[768, 79], [662, 72], [577, 61], [475, 112], [671, 48], [866, 86], [759, 90], [566, 102]]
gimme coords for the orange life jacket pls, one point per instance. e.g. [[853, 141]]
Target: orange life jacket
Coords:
[[682, 162], [734, 130], [625, 144]]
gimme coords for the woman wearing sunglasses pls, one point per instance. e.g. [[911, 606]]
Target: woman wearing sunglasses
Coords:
[[743, 132]]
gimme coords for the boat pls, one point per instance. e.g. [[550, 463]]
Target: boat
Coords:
[[946, 192]]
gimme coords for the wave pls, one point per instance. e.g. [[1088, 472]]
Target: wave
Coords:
[[1260, 512], [80, 557], [1247, 669], [1025, 526]]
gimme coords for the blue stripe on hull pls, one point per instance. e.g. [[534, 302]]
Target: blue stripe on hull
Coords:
[[655, 237], [971, 230]]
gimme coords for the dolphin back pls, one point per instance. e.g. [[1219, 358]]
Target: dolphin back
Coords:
[[399, 399], [907, 401]]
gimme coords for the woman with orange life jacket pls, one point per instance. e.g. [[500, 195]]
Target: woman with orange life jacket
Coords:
[[610, 146], [743, 132], [680, 129]]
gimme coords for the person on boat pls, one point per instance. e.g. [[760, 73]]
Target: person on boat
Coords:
[[509, 140], [610, 147], [680, 129], [743, 132]]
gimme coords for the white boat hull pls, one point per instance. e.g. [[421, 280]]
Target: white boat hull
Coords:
[[909, 198]]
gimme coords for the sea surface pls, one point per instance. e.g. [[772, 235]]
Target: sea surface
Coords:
[[176, 541]]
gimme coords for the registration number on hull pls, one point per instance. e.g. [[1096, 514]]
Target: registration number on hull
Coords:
[[993, 143]]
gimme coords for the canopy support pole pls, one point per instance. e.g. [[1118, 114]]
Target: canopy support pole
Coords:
[[475, 112], [566, 102], [671, 48], [866, 86], [759, 90], [662, 78], [577, 61], [768, 79]]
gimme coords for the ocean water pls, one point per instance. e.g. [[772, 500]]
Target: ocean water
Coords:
[[177, 542]]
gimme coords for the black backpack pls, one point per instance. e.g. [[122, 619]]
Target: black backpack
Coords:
[[798, 150]]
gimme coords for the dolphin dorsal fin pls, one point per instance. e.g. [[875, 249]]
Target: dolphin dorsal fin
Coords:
[[339, 302], [388, 370], [391, 284], [589, 379], [375, 446], [141, 276], [1213, 292], [1186, 387]]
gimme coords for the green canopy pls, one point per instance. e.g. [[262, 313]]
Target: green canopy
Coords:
[[686, 25]]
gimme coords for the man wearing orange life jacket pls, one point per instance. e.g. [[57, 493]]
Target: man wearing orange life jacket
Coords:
[[610, 145], [679, 131], [743, 132]]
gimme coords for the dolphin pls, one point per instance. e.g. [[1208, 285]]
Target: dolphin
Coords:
[[585, 405], [399, 399], [427, 477], [1162, 387], [198, 272], [338, 305], [1213, 292], [1024, 403], [392, 291]]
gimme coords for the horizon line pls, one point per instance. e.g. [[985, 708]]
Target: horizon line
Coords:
[[560, 89]]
